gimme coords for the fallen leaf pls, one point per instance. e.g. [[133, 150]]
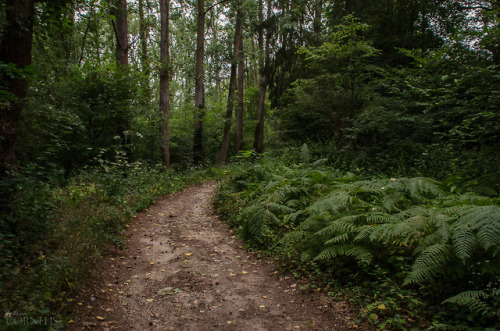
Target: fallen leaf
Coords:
[[149, 300], [188, 254], [244, 272], [100, 318], [168, 291], [382, 306], [231, 274]]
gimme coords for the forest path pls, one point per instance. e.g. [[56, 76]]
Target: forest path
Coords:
[[183, 269]]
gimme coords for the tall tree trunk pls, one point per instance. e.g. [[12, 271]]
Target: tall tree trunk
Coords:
[[317, 17], [232, 87], [165, 78], [241, 88], [199, 92], [121, 32], [144, 56], [255, 71], [258, 144], [15, 47], [120, 27]]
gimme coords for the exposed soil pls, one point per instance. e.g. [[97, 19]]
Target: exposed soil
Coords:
[[183, 269]]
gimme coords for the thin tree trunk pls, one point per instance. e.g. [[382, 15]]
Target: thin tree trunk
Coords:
[[144, 56], [232, 87], [255, 71], [241, 82], [199, 92], [120, 27], [165, 78], [15, 47], [258, 144]]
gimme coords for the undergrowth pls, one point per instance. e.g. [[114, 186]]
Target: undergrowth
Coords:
[[52, 235], [409, 252]]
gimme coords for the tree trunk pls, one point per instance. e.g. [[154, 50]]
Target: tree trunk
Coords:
[[241, 82], [258, 144], [144, 56], [317, 17], [121, 32], [232, 88], [165, 78], [15, 47], [199, 92], [120, 27]]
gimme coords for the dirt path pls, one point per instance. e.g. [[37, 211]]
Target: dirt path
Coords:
[[182, 269]]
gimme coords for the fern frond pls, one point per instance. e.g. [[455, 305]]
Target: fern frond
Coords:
[[379, 218], [464, 243], [336, 227], [474, 217], [466, 198], [364, 232], [489, 235], [338, 239], [278, 208], [333, 202], [355, 251], [294, 237], [429, 264], [315, 222], [392, 201], [474, 301]]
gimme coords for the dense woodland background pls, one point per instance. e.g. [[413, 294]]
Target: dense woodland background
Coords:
[[106, 105]]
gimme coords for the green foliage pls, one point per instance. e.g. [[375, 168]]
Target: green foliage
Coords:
[[401, 234], [52, 235]]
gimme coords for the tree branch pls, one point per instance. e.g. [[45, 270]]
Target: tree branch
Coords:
[[216, 4]]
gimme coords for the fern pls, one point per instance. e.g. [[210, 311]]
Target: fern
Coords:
[[339, 226], [314, 214], [355, 251], [429, 264], [477, 301]]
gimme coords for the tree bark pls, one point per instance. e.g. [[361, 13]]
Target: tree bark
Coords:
[[258, 144], [199, 92], [15, 48], [241, 90], [317, 17], [120, 27], [121, 32], [232, 88], [165, 78], [144, 56]]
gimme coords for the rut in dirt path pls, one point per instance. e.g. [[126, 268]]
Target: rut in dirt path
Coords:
[[182, 269]]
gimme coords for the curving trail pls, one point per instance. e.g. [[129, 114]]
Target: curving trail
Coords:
[[182, 269]]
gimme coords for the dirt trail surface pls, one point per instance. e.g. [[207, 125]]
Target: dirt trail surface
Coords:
[[183, 269]]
